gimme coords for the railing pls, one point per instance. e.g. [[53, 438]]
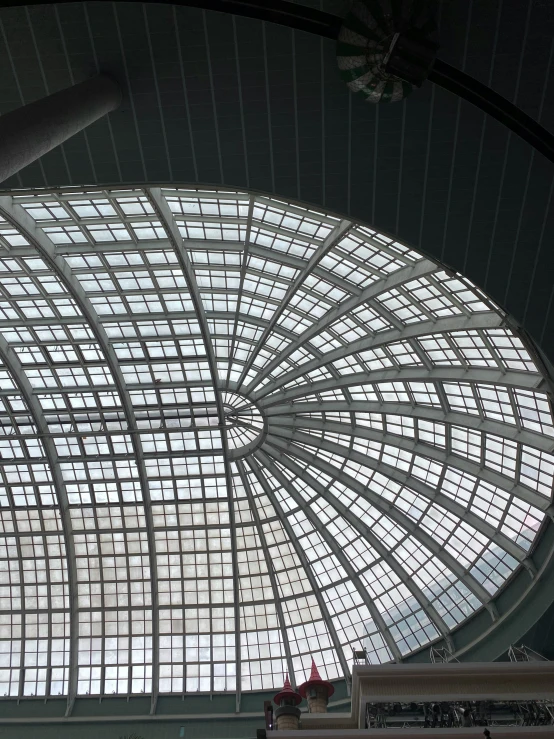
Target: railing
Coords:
[[459, 714], [524, 654], [360, 657], [441, 654]]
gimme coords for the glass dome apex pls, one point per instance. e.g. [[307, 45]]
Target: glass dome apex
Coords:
[[244, 424], [237, 434]]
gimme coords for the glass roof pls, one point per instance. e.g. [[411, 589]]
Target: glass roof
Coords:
[[237, 434]]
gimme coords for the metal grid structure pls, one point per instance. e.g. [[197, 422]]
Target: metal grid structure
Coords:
[[238, 434], [459, 714]]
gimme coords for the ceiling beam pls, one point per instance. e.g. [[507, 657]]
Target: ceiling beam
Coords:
[[485, 375], [17, 371], [338, 233], [167, 220], [270, 570], [405, 479], [442, 456], [388, 509], [375, 341], [337, 551], [425, 413], [243, 268], [367, 534], [17, 216], [326, 616], [405, 274]]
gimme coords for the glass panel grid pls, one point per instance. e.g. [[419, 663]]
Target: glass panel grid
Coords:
[[394, 421]]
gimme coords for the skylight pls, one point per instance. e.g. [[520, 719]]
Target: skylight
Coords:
[[238, 433]]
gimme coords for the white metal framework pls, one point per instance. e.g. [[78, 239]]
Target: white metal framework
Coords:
[[236, 434]]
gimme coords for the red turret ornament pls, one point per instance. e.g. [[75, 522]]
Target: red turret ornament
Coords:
[[287, 713], [316, 691]]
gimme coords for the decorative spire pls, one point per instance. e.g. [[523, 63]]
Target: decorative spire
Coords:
[[314, 680], [287, 694], [316, 691], [314, 675]]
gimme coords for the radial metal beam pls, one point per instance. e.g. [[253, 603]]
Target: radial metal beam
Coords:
[[283, 518], [367, 534], [29, 422], [485, 375], [69, 458], [406, 479], [442, 456], [290, 260], [322, 250], [375, 341], [243, 268], [206, 245], [17, 216], [17, 371], [270, 570], [337, 551], [435, 415], [400, 518], [405, 274], [172, 230], [129, 318]]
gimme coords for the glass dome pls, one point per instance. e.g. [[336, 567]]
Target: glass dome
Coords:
[[237, 434]]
